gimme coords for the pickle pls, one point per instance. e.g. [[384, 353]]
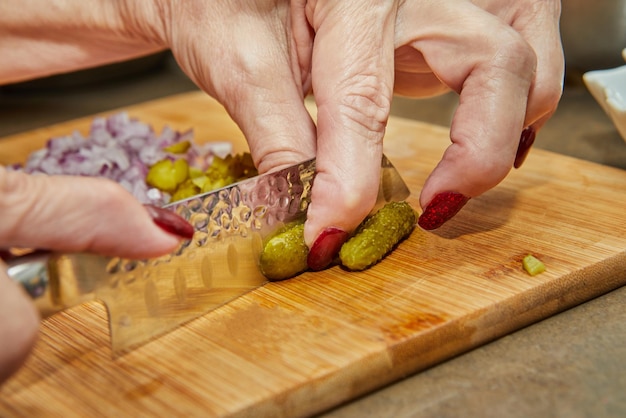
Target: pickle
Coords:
[[178, 148], [284, 253], [181, 180], [195, 172], [166, 174], [231, 168], [533, 265], [377, 236], [217, 183], [225, 171], [185, 189]]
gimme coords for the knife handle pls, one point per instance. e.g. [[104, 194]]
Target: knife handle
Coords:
[[41, 274]]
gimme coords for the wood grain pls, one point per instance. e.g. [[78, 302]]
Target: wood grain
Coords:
[[300, 346]]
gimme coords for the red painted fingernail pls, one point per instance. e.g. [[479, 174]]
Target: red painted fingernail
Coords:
[[526, 141], [326, 247], [170, 222], [441, 209]]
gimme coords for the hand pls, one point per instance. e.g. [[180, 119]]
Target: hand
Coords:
[[69, 214]]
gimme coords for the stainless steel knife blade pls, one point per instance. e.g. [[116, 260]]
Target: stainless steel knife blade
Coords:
[[147, 298]]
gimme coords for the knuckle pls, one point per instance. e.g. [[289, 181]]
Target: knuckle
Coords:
[[366, 107], [515, 55], [10, 183], [7, 184], [475, 173], [274, 159]]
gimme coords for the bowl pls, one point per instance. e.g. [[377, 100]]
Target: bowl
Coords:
[[608, 88]]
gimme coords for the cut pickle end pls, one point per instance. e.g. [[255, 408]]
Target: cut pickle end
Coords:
[[533, 265], [178, 148]]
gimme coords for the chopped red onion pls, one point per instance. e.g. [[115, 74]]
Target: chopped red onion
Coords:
[[122, 149]]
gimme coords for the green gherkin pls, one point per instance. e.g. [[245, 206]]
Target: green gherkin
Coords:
[[285, 254], [378, 235]]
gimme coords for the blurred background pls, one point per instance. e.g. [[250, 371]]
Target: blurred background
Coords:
[[594, 33]]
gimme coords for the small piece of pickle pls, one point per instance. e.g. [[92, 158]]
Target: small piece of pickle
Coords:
[[195, 172], [378, 235], [284, 253], [231, 168], [217, 183], [178, 148], [200, 181], [533, 265], [167, 175], [182, 181], [185, 190]]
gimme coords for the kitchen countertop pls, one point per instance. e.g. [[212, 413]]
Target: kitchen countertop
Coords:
[[570, 365]]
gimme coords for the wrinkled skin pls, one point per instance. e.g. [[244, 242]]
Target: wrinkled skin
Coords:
[[504, 59], [260, 59]]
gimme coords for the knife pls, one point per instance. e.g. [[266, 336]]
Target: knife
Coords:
[[148, 298]]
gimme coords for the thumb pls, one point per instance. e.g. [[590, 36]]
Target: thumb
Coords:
[[80, 214]]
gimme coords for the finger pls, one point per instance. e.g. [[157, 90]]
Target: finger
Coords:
[[256, 62], [353, 84], [270, 112], [491, 66], [19, 324], [537, 21], [541, 31], [71, 214]]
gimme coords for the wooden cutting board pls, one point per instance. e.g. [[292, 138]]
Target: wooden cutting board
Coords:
[[301, 346]]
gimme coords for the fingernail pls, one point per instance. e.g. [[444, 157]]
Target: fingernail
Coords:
[[441, 209], [326, 247], [170, 222], [526, 141]]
